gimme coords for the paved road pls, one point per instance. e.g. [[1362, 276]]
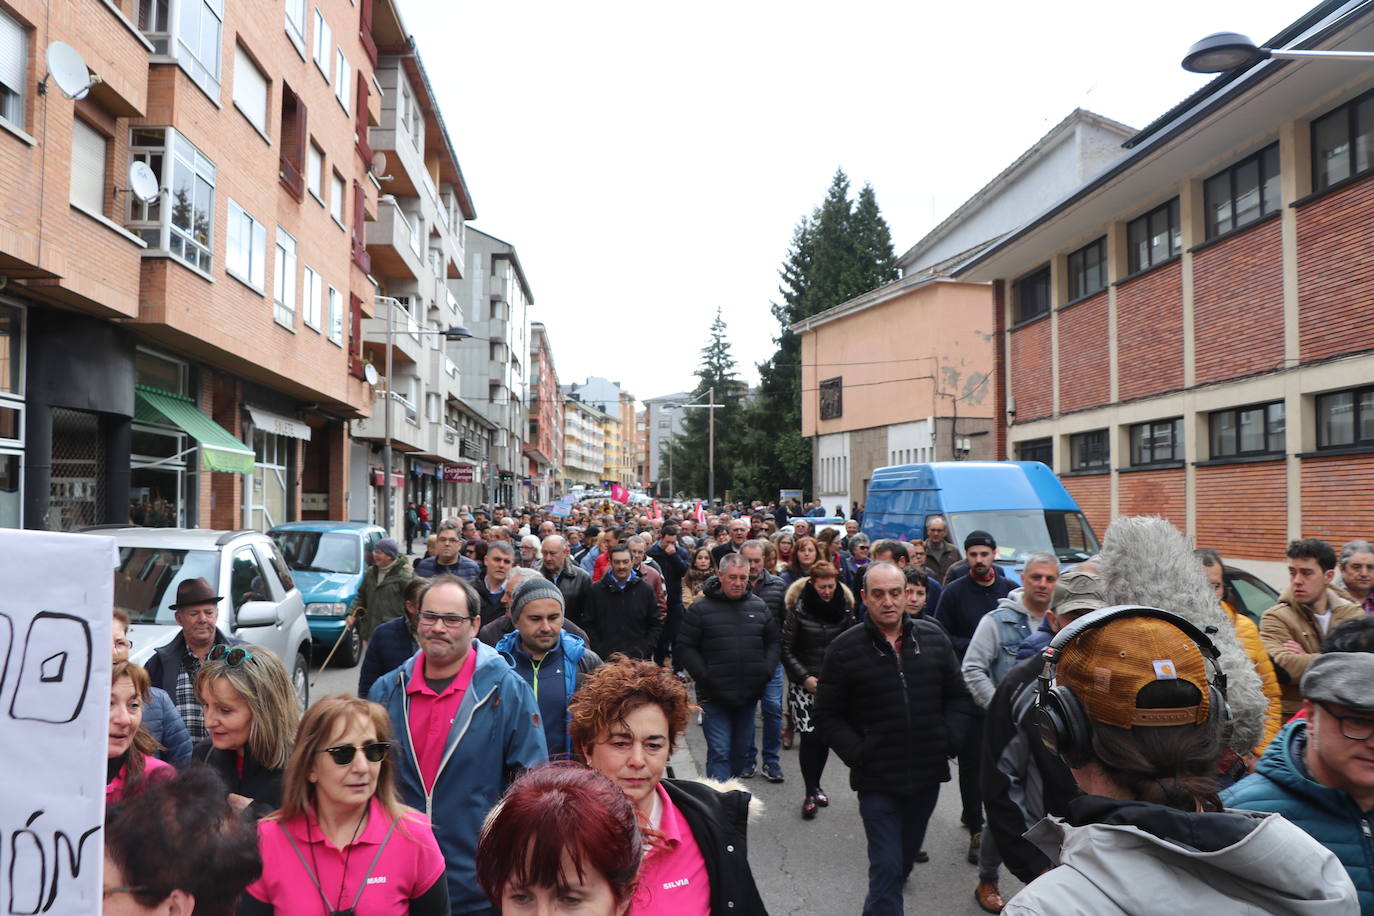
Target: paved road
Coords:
[[819, 867]]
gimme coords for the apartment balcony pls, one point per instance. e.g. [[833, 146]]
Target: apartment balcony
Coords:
[[408, 344], [404, 163], [391, 244], [407, 425]]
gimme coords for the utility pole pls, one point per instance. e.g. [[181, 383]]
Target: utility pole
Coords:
[[711, 445]]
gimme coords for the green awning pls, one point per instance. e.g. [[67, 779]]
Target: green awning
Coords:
[[219, 450]]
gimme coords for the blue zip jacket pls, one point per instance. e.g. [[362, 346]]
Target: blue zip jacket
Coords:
[[495, 736], [1282, 785], [577, 661], [163, 722]]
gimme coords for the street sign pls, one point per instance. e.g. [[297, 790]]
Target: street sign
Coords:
[[460, 473]]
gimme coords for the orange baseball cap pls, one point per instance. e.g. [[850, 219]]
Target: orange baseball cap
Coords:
[[1107, 667]]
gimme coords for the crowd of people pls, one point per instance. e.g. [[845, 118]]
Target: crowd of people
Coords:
[[1126, 740]]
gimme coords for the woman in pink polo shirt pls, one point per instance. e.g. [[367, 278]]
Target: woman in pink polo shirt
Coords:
[[341, 842], [129, 757], [564, 838], [625, 721]]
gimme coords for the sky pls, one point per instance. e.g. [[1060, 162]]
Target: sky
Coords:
[[650, 161]]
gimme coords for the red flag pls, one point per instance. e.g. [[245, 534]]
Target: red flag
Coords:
[[619, 493], [700, 514], [655, 511]]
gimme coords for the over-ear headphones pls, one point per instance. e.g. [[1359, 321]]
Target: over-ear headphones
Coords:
[[1064, 726]]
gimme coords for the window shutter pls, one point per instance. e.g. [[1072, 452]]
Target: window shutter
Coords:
[[365, 30], [355, 336], [250, 89], [88, 167], [360, 255], [14, 54], [364, 93]]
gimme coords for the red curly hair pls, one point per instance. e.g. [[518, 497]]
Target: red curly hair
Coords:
[[617, 689]]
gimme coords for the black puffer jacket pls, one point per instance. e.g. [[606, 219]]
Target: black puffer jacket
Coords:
[[730, 646], [575, 585], [772, 590], [806, 633], [622, 620], [893, 721]]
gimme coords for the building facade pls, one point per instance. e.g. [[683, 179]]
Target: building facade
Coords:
[[584, 442], [663, 427], [544, 444], [1183, 335]]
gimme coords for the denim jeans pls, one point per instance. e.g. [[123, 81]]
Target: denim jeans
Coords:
[[895, 826], [729, 734], [772, 723]]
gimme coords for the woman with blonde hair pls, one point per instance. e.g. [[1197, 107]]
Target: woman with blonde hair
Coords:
[[251, 713], [340, 823], [130, 754]]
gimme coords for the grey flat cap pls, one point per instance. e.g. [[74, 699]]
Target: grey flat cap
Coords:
[[1341, 678], [1078, 591]]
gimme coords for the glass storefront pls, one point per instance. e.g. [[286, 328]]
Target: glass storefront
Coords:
[[162, 456], [271, 466]]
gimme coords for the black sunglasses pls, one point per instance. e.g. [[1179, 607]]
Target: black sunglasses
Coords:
[[343, 754], [233, 656]]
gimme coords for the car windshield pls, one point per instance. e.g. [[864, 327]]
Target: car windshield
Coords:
[[1021, 532], [146, 579], [319, 551]]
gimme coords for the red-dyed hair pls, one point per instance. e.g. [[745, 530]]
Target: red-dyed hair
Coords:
[[558, 809]]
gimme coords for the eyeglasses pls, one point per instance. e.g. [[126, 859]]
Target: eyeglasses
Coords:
[[123, 643], [448, 620], [233, 656], [108, 892], [1356, 728], [343, 754]]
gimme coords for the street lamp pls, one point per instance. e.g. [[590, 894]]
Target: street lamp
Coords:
[[458, 332], [712, 406], [1224, 51]]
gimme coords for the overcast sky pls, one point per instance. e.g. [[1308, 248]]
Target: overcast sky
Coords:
[[650, 160]]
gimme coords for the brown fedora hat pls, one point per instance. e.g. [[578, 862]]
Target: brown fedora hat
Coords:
[[194, 591]]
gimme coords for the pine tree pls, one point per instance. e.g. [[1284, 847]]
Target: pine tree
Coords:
[[690, 451], [842, 249]]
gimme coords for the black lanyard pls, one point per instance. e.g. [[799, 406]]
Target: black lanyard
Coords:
[[316, 881]]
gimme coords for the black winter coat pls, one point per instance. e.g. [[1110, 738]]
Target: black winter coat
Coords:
[[491, 601], [391, 644], [718, 821], [773, 591], [730, 647], [893, 721], [576, 586], [164, 666], [622, 620], [1022, 780], [258, 783], [674, 567], [806, 636]]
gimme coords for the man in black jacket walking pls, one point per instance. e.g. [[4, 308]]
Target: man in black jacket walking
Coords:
[[772, 590], [730, 644], [891, 703], [672, 560], [572, 580], [622, 613]]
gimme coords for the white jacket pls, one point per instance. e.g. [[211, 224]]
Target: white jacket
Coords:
[[1233, 863]]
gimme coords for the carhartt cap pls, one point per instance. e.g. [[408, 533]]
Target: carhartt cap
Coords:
[[1106, 668]]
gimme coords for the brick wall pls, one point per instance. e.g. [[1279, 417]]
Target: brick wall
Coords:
[[1238, 304], [1242, 509], [1084, 361], [1031, 375], [1335, 506], [1154, 493], [1336, 271], [1149, 333], [1093, 493]]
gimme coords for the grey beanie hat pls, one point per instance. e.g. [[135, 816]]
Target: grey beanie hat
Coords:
[[533, 590]]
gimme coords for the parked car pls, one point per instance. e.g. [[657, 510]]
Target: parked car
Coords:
[[1021, 503], [1248, 594], [327, 560], [261, 604]]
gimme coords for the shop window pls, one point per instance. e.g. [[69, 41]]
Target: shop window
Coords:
[[77, 486]]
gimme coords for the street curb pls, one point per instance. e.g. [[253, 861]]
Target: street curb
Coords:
[[684, 765]]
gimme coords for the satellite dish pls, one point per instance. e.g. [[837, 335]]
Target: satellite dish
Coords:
[[370, 373], [378, 162], [68, 69], [143, 182]]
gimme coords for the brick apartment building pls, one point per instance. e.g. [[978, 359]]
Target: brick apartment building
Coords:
[[186, 359], [1185, 333], [544, 446]]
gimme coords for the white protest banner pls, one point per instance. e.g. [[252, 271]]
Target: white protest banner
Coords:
[[54, 702]]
